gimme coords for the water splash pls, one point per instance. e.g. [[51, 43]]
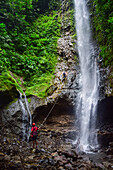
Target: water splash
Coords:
[[88, 96]]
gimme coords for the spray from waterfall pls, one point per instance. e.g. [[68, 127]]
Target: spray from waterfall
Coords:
[[88, 95]]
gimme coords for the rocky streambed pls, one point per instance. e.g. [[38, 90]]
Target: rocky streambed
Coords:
[[55, 151], [55, 142]]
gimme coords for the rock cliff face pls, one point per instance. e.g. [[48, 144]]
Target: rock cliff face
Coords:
[[64, 87], [8, 96], [63, 90]]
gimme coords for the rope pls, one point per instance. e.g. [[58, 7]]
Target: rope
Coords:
[[48, 113], [63, 57]]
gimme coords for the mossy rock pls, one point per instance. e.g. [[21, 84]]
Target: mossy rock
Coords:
[[51, 89], [8, 96]]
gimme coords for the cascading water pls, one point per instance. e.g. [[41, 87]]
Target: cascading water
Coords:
[[30, 117], [27, 107], [88, 96], [26, 118]]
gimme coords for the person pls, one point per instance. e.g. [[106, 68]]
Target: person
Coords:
[[34, 134], [64, 75]]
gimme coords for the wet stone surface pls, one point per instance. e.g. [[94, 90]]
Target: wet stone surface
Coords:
[[54, 152]]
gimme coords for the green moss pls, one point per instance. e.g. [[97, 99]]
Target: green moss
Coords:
[[75, 57], [39, 85], [72, 20], [14, 101], [29, 100], [37, 90], [74, 36], [107, 56], [7, 82]]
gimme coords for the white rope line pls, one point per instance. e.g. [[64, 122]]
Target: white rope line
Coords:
[[63, 55], [48, 114]]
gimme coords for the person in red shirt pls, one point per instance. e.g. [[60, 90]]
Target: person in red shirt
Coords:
[[34, 134]]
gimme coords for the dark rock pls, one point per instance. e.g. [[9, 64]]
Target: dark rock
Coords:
[[51, 161], [109, 151], [68, 166], [8, 96]]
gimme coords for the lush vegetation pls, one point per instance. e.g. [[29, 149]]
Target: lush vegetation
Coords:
[[102, 17], [28, 43], [29, 30], [7, 81]]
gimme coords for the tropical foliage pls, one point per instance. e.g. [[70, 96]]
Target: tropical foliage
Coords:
[[28, 40], [29, 30], [102, 16]]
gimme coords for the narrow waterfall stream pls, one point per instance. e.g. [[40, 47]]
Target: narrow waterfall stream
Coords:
[[26, 118], [27, 107], [29, 117], [88, 96]]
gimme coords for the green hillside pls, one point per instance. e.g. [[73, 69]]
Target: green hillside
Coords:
[[28, 44]]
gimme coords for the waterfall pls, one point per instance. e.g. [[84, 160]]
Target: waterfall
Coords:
[[27, 107], [88, 96], [26, 117], [30, 117]]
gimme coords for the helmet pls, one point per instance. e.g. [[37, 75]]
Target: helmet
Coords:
[[33, 124]]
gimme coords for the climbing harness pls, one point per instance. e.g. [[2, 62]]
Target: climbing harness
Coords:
[[34, 131], [48, 113]]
